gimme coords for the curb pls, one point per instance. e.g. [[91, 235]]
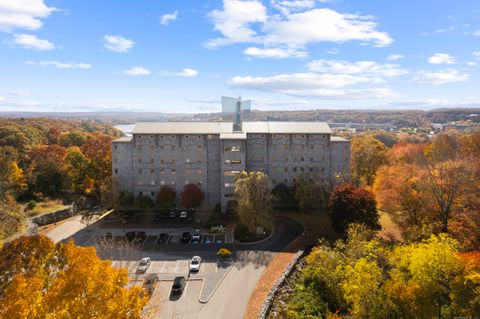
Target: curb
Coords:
[[218, 284]]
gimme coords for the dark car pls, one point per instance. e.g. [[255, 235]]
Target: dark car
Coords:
[[141, 236], [186, 237], [130, 235], [178, 285], [108, 236], [163, 238]]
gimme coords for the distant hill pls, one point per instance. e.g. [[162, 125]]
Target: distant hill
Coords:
[[400, 118]]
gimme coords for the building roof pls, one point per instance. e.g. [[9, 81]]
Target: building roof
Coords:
[[338, 139], [233, 136], [227, 127], [124, 139]]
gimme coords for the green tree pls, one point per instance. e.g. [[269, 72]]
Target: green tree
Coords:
[[254, 209], [310, 194]]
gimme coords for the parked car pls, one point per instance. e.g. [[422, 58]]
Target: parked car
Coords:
[[195, 264], [172, 215], [149, 285], [186, 237], [130, 235], [108, 236], [143, 265], [196, 234], [183, 215], [141, 236], [163, 238], [178, 285]]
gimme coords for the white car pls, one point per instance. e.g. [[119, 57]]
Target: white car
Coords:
[[143, 265], [196, 234], [195, 264], [183, 215]]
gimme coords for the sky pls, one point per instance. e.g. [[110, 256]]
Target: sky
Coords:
[[182, 56]]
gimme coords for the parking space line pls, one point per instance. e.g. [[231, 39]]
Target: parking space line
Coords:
[[201, 240], [163, 267], [185, 291], [202, 266], [176, 266]]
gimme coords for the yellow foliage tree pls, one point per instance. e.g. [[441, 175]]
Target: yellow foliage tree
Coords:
[[62, 281]]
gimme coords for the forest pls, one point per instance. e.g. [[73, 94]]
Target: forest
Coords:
[[425, 263], [43, 159]]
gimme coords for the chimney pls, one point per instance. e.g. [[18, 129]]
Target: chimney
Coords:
[[237, 121]]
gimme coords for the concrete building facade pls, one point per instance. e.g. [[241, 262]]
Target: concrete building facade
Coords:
[[210, 154]]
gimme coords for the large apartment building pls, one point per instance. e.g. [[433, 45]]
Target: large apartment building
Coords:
[[210, 154]]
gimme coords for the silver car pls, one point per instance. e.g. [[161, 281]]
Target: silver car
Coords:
[[143, 265], [195, 264]]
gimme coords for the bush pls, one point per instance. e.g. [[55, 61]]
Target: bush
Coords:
[[31, 205], [224, 253], [144, 202]]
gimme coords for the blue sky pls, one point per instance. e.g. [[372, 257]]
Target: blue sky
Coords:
[[181, 56]]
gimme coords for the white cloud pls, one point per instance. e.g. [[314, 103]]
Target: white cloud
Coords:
[[288, 6], [370, 68], [476, 33], [441, 77], [476, 53], [441, 58], [249, 22], [395, 57], [234, 21], [137, 71], [327, 86], [2, 99], [23, 14], [28, 41], [20, 93], [276, 53], [188, 73], [60, 65], [167, 18], [117, 43], [471, 63]]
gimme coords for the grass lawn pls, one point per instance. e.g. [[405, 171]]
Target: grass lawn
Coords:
[[46, 206], [315, 225]]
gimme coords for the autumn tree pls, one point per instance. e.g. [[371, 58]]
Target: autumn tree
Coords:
[[166, 198], [192, 196], [254, 196], [367, 154], [349, 204], [40, 280], [284, 196]]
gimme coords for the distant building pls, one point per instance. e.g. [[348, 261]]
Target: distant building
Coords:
[[211, 154]]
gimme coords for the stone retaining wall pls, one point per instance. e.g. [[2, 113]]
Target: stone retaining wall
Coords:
[[53, 217], [267, 304]]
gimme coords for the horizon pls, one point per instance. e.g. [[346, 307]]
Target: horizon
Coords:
[[282, 55]]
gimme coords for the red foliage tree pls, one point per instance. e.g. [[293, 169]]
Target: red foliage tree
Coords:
[[192, 196], [349, 204], [166, 198]]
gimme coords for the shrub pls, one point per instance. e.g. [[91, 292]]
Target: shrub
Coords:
[[31, 205], [224, 253]]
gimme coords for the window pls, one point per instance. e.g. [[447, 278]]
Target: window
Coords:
[[285, 146], [285, 181], [199, 182], [139, 171], [199, 136], [115, 147], [151, 136], [151, 160], [152, 193], [162, 183], [302, 159], [116, 171], [139, 147], [187, 136], [140, 193], [286, 159], [173, 182], [173, 147], [139, 160], [274, 181], [231, 173], [294, 169], [285, 169], [161, 147], [174, 171], [152, 183], [161, 136], [311, 159], [162, 171], [229, 184], [302, 169]]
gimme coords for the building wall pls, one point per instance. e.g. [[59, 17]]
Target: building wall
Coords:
[[148, 162]]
